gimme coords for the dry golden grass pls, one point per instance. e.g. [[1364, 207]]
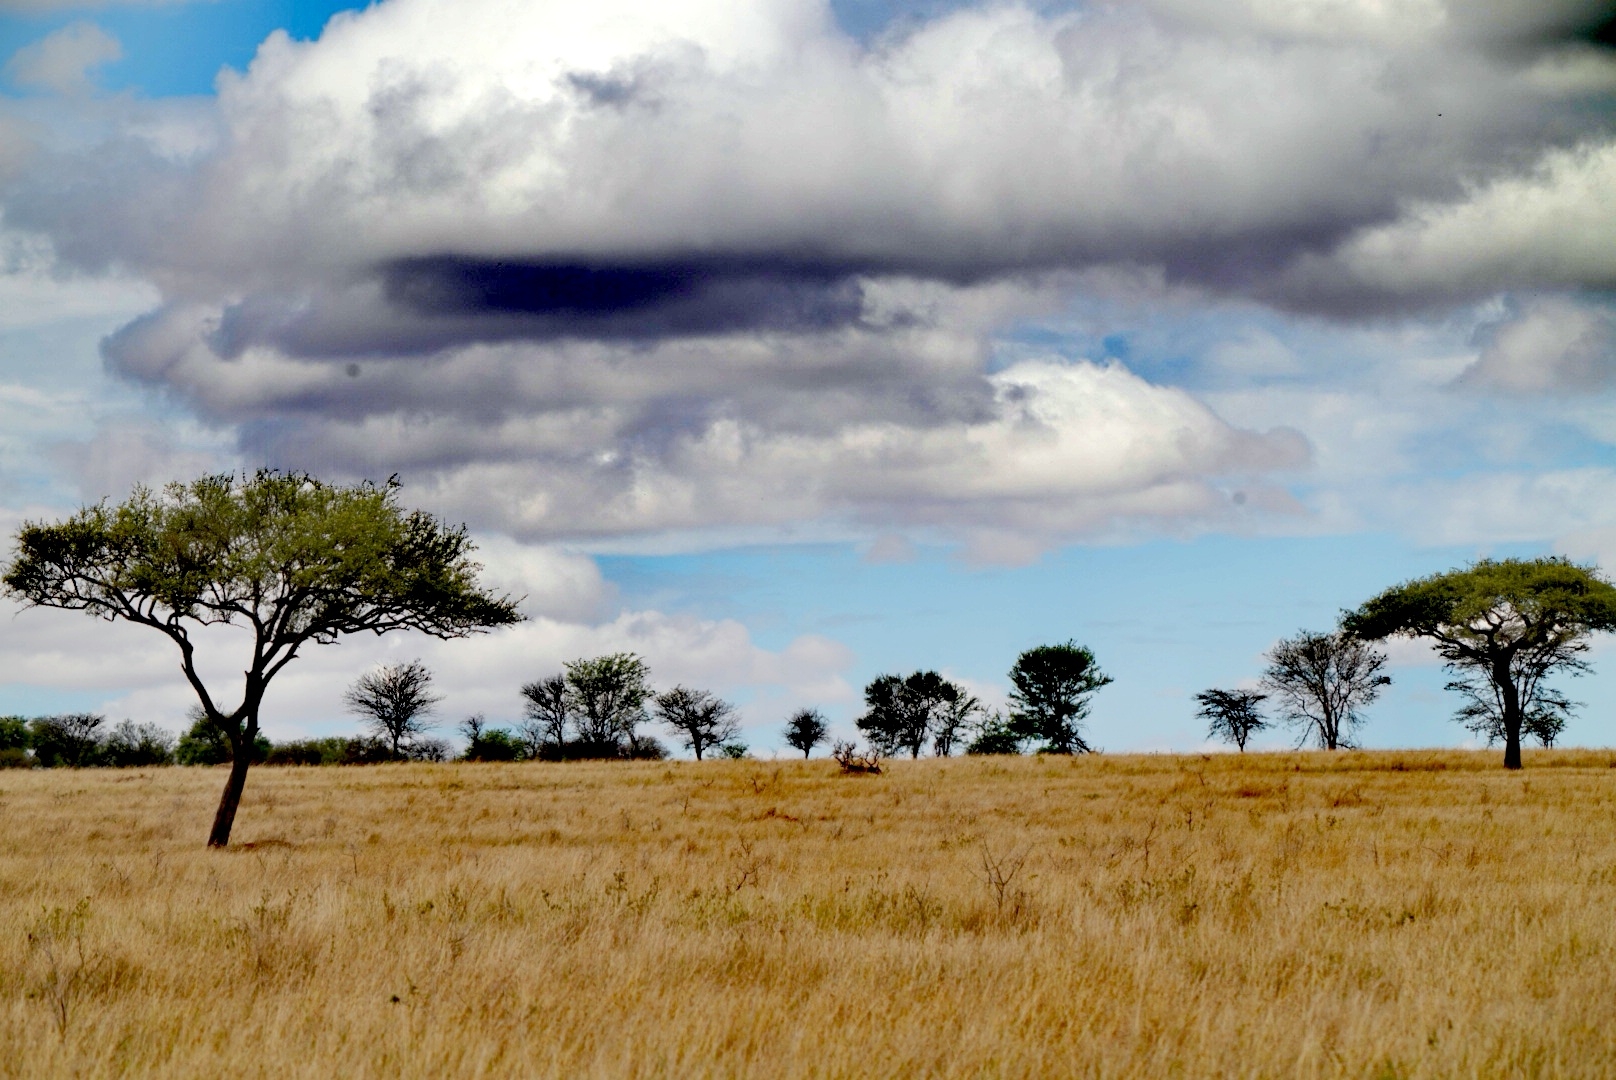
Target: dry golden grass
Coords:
[[1358, 915]]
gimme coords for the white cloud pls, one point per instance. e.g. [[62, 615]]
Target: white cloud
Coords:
[[62, 61], [1553, 344], [137, 669], [1550, 228]]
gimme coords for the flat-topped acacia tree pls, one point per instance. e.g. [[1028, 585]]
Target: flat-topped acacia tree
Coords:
[[1505, 623], [291, 558]]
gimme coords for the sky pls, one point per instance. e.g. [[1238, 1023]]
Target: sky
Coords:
[[787, 343]]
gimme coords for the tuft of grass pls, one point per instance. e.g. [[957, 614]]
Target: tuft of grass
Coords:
[[1353, 915]]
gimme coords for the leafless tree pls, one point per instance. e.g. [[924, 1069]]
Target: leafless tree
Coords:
[[546, 711], [395, 699], [700, 719], [1323, 681]]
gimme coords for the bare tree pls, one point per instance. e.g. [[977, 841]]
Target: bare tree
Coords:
[[1231, 715], [951, 719], [395, 699], [545, 713], [700, 719], [1322, 681], [806, 729]]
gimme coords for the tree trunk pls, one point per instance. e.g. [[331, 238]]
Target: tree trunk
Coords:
[[1512, 716], [225, 818]]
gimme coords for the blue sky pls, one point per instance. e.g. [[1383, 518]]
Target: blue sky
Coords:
[[939, 330]]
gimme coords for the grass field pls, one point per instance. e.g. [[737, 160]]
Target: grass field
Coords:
[[1356, 915]]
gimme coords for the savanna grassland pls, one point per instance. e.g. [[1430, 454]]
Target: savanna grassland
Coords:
[[1355, 915]]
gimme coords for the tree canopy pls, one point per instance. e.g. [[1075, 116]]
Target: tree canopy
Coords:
[[1053, 685], [700, 719], [902, 712], [806, 729], [290, 557], [1231, 715], [607, 696], [1510, 622]]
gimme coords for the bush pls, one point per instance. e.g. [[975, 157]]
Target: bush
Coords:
[[484, 743], [733, 750], [14, 743], [994, 736], [72, 740], [331, 750], [13, 733], [205, 744], [132, 745]]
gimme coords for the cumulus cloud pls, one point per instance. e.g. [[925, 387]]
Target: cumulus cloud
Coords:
[[62, 62], [1551, 344], [593, 271]]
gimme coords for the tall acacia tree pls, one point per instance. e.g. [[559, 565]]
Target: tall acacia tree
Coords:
[[294, 560], [1511, 622]]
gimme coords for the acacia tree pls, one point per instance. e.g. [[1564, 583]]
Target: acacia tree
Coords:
[[294, 560], [396, 699], [608, 694], [903, 711], [1506, 625], [1323, 682], [1231, 715], [805, 730], [1053, 685], [700, 719], [545, 714]]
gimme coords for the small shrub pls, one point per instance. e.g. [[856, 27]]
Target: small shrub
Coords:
[[734, 750], [994, 736], [854, 763], [484, 743]]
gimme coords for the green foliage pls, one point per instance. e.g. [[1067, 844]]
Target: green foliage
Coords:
[[806, 729], [297, 560], [484, 743], [608, 696], [71, 740], [13, 733], [735, 751], [902, 712], [1231, 715], [1053, 685], [994, 735], [205, 743], [1503, 627], [132, 745]]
